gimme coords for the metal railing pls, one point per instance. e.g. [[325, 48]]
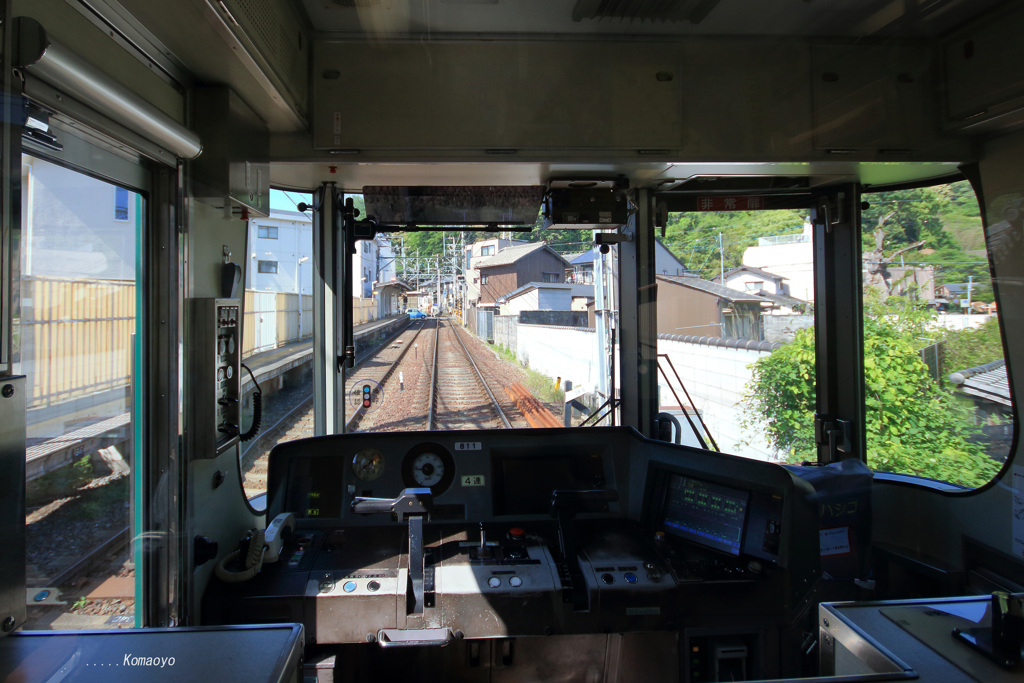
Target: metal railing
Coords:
[[75, 337]]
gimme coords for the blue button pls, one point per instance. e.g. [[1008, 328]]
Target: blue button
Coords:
[[349, 586], [630, 578]]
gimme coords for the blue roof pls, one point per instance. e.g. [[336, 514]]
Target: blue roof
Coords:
[[585, 257]]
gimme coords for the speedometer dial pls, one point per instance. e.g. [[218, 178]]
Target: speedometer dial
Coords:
[[427, 469], [428, 466], [368, 464]]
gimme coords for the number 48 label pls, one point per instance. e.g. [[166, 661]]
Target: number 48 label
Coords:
[[473, 480]]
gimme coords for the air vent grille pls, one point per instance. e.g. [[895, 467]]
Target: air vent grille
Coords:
[[693, 11], [277, 34]]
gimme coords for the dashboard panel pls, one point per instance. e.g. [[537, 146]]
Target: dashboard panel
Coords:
[[491, 477], [436, 536]]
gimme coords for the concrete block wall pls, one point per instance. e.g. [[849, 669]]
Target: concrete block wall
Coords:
[[716, 378], [566, 352], [505, 331]]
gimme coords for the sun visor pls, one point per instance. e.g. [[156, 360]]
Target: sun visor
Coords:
[[453, 206]]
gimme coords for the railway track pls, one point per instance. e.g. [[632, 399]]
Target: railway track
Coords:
[[459, 397], [377, 369], [297, 423], [425, 377]]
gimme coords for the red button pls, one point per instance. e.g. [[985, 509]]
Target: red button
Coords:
[[516, 534]]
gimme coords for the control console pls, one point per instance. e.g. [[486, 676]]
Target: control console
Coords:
[[522, 533]]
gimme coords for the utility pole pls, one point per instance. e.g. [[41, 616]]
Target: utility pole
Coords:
[[721, 258], [970, 281]]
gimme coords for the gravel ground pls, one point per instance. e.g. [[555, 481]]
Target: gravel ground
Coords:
[[63, 530]]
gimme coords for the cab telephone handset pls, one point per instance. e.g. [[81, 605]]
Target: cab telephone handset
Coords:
[[257, 547], [274, 537]]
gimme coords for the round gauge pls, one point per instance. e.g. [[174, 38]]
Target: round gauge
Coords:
[[429, 466], [427, 469], [368, 464]]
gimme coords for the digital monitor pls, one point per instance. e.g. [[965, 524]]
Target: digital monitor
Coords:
[[476, 205], [708, 514], [314, 488], [523, 485]]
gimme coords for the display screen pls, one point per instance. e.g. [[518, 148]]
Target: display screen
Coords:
[[525, 484], [436, 205], [314, 487], [709, 514]]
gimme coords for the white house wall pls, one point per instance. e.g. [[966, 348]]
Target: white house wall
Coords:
[[715, 377], [792, 261], [70, 228], [294, 242], [740, 281]]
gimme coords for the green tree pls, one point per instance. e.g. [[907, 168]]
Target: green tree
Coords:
[[971, 347], [946, 218], [693, 237], [913, 426]]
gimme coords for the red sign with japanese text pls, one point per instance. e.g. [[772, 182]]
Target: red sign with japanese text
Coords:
[[737, 203]]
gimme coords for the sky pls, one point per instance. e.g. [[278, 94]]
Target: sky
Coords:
[[287, 201]]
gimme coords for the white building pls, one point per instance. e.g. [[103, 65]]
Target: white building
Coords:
[[790, 257], [76, 227], [537, 296], [281, 254], [755, 280]]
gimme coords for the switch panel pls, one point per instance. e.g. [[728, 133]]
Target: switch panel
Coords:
[[216, 365]]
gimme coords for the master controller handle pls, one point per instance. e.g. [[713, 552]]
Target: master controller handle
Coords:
[[409, 502], [412, 505]]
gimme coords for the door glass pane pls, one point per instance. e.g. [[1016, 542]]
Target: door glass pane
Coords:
[[937, 394], [277, 334], [75, 332], [736, 331]]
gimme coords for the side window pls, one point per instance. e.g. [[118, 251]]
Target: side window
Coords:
[[938, 400], [278, 315], [78, 289], [711, 326]]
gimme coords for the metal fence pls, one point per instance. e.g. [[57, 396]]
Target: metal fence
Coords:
[[75, 337], [934, 356], [273, 319], [485, 324]]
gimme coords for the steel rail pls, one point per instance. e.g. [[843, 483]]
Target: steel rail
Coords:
[[268, 431], [480, 378], [433, 377], [115, 542]]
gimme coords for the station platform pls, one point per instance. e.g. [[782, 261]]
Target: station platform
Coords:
[[269, 364], [45, 455]]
